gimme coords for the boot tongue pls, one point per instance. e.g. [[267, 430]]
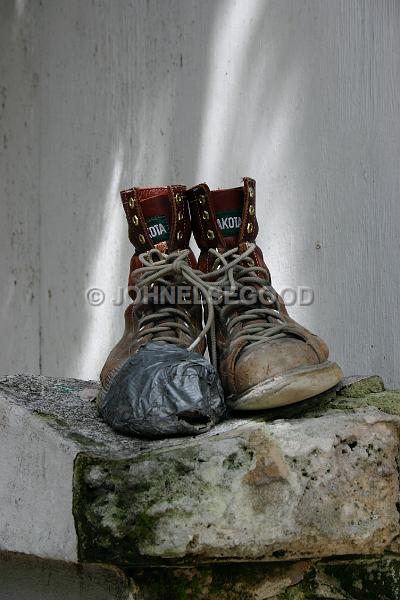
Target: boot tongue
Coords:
[[157, 214], [228, 206]]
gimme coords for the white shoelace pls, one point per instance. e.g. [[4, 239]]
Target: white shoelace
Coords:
[[232, 271]]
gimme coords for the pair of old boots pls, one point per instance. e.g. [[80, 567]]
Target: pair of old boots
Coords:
[[224, 301]]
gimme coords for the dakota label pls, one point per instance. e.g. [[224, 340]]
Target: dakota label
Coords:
[[158, 228], [229, 222]]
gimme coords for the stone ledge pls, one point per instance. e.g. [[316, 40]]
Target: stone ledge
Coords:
[[324, 483], [356, 579], [29, 578]]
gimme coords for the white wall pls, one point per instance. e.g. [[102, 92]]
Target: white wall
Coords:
[[19, 192], [303, 95]]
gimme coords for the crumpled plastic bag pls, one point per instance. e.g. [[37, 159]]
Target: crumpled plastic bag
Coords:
[[163, 390]]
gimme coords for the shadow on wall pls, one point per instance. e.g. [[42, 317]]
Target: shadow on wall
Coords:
[[135, 84]]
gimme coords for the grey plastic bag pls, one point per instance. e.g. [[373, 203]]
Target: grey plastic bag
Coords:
[[164, 390]]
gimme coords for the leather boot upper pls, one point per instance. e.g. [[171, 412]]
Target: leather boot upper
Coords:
[[159, 229], [254, 341]]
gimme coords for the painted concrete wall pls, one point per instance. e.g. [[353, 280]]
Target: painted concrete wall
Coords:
[[19, 191], [303, 95]]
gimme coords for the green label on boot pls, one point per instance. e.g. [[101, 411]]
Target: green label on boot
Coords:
[[158, 228], [229, 222]]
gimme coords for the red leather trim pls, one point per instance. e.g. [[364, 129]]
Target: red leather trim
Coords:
[[142, 203], [227, 199], [153, 206]]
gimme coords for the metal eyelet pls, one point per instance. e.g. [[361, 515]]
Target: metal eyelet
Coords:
[[178, 198], [210, 234], [180, 216], [141, 238], [131, 202], [135, 220], [179, 235], [251, 192], [252, 210], [206, 216], [249, 227], [202, 199]]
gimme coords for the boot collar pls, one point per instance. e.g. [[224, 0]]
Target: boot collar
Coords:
[[231, 210], [142, 207]]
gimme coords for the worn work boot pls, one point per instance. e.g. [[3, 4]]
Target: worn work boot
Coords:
[[265, 359], [155, 381]]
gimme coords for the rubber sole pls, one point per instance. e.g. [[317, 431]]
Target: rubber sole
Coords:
[[290, 387]]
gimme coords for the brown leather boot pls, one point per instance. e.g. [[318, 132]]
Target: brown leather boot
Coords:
[[155, 382], [265, 359], [160, 230]]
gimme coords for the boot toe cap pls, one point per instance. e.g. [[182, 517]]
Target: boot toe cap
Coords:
[[272, 358]]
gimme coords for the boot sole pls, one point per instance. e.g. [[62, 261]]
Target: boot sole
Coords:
[[290, 387]]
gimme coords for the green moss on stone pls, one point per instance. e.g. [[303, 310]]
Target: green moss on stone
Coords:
[[293, 593], [143, 528], [51, 418], [353, 579], [113, 511], [239, 581], [83, 440], [367, 579], [168, 584], [388, 402], [363, 387]]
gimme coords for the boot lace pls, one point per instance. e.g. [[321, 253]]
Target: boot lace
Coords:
[[232, 271], [167, 271], [256, 322]]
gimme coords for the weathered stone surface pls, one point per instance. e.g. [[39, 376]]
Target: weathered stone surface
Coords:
[[29, 578], [256, 492], [221, 582], [249, 490], [350, 579], [364, 579]]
